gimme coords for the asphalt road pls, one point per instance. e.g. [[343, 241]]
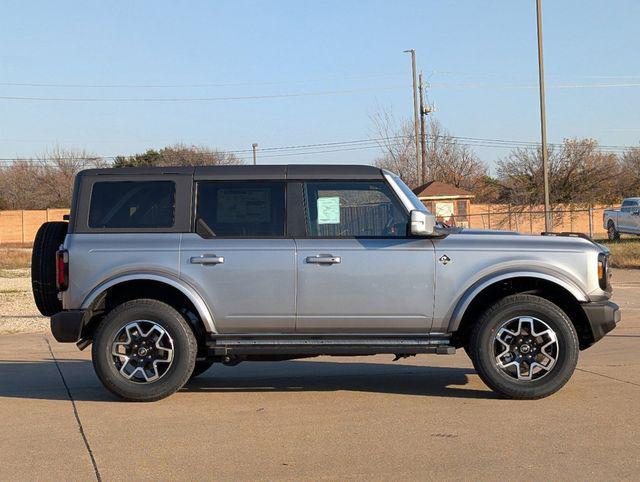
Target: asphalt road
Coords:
[[428, 417]]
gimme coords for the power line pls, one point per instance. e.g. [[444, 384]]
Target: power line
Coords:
[[311, 94], [195, 85], [199, 99], [532, 86], [351, 145]]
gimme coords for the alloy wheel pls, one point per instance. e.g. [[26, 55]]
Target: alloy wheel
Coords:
[[142, 351], [526, 348]]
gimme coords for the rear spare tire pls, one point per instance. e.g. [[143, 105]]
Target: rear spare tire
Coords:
[[43, 266]]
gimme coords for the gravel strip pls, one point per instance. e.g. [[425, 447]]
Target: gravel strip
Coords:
[[18, 312]]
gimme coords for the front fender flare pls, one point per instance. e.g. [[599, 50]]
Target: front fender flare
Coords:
[[475, 289], [187, 290]]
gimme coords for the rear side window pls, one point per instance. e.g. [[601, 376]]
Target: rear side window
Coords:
[[132, 204], [353, 209], [240, 209]]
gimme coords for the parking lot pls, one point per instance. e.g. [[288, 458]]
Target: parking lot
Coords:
[[428, 417]]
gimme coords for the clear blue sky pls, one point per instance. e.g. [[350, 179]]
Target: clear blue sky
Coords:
[[479, 55]]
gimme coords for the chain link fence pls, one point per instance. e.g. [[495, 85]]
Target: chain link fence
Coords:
[[587, 220]]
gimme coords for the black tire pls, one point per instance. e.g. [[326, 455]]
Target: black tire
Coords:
[[43, 266], [201, 367], [185, 349], [612, 233], [482, 345]]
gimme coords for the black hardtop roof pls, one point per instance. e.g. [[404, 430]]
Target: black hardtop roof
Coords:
[[289, 171]]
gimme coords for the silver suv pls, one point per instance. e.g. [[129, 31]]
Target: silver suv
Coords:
[[166, 271]]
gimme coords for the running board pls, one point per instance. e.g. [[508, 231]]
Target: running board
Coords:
[[221, 345]]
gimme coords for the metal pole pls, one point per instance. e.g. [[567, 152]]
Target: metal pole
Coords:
[[423, 133], [543, 122], [415, 112], [254, 146]]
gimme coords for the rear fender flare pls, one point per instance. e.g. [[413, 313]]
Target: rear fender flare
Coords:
[[202, 308]]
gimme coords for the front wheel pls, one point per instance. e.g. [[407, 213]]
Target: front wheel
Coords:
[[524, 347], [144, 350], [612, 233]]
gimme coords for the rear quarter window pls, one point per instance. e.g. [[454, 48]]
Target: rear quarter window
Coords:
[[132, 204]]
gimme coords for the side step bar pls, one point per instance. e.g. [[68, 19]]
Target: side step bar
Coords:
[[222, 345]]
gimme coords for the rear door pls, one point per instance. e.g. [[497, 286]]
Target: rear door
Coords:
[[239, 258], [624, 217], [358, 270]]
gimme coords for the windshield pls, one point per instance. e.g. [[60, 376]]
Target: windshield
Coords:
[[417, 204]]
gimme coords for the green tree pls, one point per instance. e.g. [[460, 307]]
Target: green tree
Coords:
[[178, 155]]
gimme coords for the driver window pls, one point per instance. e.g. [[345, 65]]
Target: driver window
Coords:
[[353, 209]]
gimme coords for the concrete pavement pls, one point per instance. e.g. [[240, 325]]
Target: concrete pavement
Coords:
[[428, 417]]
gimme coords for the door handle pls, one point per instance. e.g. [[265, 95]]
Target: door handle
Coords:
[[207, 259], [323, 259]]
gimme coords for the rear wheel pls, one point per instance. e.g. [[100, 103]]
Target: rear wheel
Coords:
[[612, 233], [524, 347], [144, 350], [43, 266]]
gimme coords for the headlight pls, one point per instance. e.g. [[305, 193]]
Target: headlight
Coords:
[[603, 270]]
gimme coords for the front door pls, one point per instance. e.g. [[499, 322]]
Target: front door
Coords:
[[358, 270], [239, 258]]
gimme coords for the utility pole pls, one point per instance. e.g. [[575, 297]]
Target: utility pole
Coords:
[[423, 133], [415, 112], [548, 224], [254, 147]]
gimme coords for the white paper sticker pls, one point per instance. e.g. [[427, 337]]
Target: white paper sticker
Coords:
[[329, 210]]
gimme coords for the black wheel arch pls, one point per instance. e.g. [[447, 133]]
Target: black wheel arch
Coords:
[[544, 288], [130, 290]]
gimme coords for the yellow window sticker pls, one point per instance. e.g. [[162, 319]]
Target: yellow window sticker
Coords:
[[329, 210]]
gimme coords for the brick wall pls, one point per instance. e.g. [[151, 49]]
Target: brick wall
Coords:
[[21, 226]]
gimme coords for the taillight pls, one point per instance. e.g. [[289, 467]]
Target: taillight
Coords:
[[62, 269]]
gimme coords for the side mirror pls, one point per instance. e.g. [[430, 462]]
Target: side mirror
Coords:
[[422, 223]]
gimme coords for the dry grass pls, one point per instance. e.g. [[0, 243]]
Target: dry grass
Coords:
[[14, 257], [625, 253]]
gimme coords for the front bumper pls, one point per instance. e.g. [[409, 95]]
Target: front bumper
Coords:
[[603, 316], [66, 326]]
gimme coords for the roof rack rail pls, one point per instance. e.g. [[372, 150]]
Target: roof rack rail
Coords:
[[567, 234]]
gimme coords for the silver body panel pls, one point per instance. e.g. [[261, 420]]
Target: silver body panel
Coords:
[[379, 286], [478, 260], [252, 290], [404, 285]]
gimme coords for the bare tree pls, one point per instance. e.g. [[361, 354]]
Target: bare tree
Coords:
[[579, 173], [397, 145], [630, 173], [45, 181], [448, 160]]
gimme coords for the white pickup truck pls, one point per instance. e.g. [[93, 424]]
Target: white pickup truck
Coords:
[[625, 220]]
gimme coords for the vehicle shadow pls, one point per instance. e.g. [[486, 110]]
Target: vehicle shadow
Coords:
[[302, 376], [41, 379]]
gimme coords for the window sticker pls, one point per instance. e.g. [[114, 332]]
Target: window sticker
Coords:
[[329, 210], [244, 205]]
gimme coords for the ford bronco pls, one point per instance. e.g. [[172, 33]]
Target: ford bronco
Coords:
[[166, 271]]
